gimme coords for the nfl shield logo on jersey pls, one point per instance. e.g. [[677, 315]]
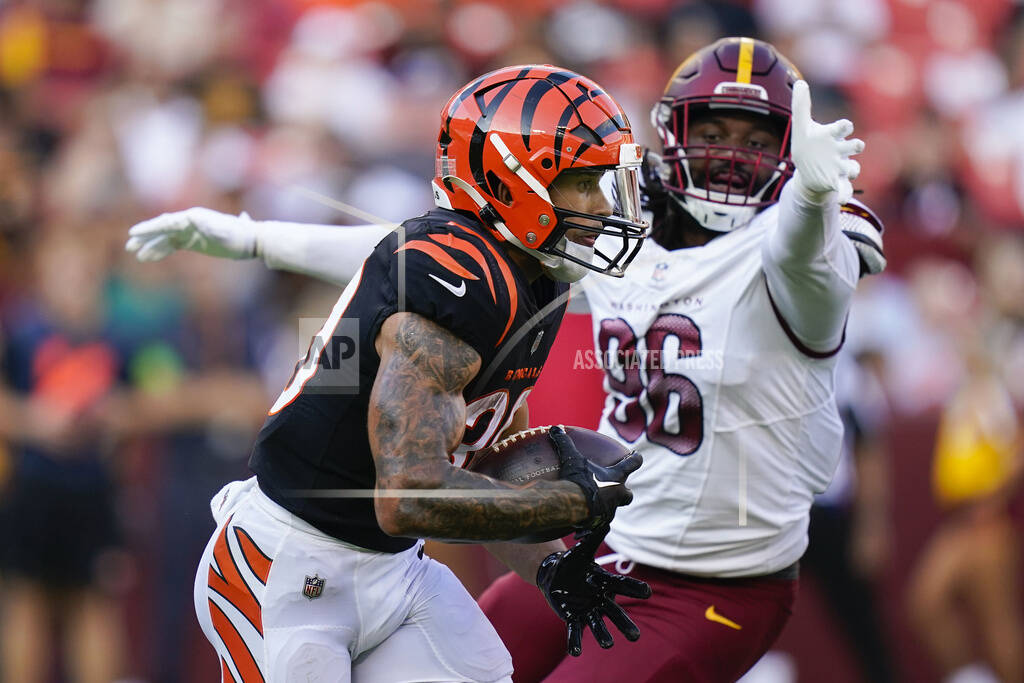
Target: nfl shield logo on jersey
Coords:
[[660, 270], [314, 586]]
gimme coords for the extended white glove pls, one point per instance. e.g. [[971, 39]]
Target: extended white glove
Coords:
[[821, 153], [197, 229]]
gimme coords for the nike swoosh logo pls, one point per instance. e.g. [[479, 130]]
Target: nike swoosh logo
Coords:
[[601, 484], [711, 615], [457, 291]]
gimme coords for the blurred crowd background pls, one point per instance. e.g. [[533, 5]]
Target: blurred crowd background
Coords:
[[131, 392]]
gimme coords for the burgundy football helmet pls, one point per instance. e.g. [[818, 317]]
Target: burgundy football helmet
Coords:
[[730, 74]]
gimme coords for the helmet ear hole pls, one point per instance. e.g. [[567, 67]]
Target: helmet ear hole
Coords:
[[498, 189]]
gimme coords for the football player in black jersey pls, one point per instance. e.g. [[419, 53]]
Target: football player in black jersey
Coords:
[[316, 568]]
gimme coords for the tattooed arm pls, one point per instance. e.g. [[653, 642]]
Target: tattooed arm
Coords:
[[416, 418]]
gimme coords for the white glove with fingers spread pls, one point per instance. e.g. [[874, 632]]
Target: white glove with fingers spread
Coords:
[[197, 229], [821, 153]]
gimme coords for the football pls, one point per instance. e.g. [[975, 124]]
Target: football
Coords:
[[530, 455]]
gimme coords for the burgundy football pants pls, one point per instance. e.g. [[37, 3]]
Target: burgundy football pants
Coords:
[[691, 629]]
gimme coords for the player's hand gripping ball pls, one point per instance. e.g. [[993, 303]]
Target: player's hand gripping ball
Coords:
[[596, 463]]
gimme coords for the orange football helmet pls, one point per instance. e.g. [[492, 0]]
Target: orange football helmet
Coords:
[[519, 127]]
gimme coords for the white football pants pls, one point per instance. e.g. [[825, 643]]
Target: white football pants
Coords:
[[281, 601]]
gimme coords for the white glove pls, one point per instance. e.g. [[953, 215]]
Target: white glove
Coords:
[[197, 229], [821, 153]]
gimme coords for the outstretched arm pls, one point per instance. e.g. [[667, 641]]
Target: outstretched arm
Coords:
[[328, 252], [811, 266]]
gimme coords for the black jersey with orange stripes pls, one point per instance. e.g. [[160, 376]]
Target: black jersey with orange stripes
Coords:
[[313, 456]]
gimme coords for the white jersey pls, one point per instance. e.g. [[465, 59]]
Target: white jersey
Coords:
[[738, 427]]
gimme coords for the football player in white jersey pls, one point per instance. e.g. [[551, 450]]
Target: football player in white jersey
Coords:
[[719, 352]]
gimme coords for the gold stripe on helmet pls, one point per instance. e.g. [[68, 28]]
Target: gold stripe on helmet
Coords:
[[746, 62]]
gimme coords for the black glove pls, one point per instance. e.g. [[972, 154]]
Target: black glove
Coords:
[[582, 593], [603, 487]]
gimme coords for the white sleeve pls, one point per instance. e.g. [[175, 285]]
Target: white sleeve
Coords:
[[328, 252], [812, 269]]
